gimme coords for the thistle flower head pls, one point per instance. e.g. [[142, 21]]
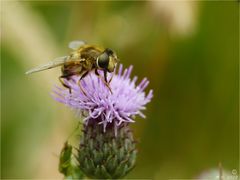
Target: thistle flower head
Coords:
[[126, 100]]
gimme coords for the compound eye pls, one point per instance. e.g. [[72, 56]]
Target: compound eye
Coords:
[[103, 60]]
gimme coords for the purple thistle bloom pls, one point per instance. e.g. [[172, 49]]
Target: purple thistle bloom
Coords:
[[126, 100]]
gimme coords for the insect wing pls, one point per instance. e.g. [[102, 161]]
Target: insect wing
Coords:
[[54, 63], [74, 45]]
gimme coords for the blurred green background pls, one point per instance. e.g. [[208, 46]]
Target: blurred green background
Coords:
[[188, 50]]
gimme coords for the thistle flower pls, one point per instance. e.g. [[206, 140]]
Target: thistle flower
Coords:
[[107, 147], [126, 100]]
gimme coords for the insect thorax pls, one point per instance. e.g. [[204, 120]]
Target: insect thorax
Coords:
[[85, 61]]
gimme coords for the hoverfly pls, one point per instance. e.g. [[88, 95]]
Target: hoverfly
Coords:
[[83, 59]]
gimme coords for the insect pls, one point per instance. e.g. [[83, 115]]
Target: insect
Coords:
[[83, 59]]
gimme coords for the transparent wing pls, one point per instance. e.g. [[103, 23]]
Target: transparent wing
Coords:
[[54, 63], [74, 45]]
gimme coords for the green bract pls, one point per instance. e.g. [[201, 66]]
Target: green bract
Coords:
[[106, 155]]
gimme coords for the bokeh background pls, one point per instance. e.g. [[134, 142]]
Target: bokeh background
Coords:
[[188, 50]]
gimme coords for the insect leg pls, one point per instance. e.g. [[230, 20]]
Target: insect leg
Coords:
[[111, 77], [63, 83], [96, 72], [103, 80], [79, 82], [86, 73], [105, 76], [106, 81]]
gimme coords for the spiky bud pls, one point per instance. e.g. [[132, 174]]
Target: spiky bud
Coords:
[[106, 155]]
